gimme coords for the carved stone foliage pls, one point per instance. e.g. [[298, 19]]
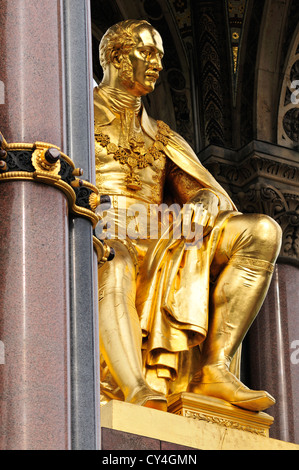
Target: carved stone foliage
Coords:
[[291, 124], [253, 168]]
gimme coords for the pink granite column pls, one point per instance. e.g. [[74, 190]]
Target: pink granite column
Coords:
[[274, 351], [34, 306], [31, 71], [34, 390]]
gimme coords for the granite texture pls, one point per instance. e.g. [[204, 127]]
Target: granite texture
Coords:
[[269, 342], [34, 317], [120, 440], [32, 71]]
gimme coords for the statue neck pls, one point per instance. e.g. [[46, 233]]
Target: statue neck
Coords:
[[126, 107], [119, 101]]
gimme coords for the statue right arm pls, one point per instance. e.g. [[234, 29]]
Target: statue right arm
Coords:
[[187, 190]]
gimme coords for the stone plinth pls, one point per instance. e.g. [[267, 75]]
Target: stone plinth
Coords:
[[168, 430]]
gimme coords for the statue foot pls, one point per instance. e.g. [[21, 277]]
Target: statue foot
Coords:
[[147, 397], [217, 381]]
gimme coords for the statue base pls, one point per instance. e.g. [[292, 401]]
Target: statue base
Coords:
[[213, 410], [204, 425]]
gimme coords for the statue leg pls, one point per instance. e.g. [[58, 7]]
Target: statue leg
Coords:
[[120, 332], [244, 263]]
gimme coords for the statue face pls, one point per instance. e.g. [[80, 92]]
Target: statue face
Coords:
[[140, 69]]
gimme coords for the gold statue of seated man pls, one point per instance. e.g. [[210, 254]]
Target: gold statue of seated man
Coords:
[[173, 312]]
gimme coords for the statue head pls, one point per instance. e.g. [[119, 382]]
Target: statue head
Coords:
[[131, 56]]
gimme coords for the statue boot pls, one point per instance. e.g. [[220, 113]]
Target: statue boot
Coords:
[[236, 299], [121, 349], [120, 333]]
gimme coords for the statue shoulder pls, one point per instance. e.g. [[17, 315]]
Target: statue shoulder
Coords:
[[102, 114], [175, 139], [175, 142], [153, 127]]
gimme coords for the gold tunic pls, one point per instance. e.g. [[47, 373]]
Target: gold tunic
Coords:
[[112, 173]]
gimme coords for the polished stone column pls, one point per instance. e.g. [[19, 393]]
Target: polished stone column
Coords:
[[34, 286], [32, 63], [34, 317], [274, 363]]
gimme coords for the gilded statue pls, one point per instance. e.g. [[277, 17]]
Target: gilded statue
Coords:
[[173, 309]]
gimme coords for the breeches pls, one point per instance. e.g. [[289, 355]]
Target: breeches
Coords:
[[245, 238]]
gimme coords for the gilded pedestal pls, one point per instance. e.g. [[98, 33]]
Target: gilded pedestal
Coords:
[[215, 411], [132, 427]]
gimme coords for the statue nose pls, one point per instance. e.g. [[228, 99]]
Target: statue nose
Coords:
[[157, 64]]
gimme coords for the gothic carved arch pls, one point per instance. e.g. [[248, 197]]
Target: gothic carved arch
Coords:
[[245, 96], [268, 72], [288, 113]]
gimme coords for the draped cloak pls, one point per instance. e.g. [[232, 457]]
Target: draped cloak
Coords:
[[173, 284]]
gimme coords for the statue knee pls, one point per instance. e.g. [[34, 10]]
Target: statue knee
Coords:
[[267, 230], [266, 236]]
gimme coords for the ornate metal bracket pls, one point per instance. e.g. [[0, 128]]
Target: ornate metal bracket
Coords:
[[45, 163]]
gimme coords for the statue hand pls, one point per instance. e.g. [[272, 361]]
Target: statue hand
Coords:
[[205, 207]]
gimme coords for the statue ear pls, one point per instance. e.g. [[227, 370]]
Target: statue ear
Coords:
[[116, 58]]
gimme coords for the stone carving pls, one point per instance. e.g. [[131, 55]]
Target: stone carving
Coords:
[[221, 421]]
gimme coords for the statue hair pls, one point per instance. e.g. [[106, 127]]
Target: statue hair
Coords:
[[119, 37]]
